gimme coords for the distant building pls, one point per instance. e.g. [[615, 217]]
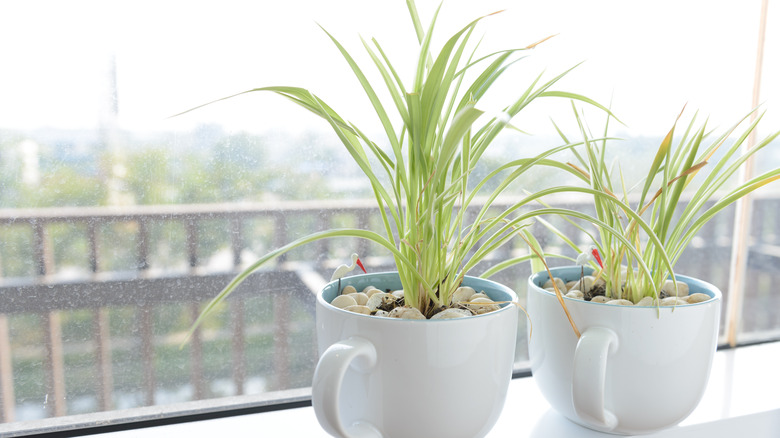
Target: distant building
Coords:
[[29, 152]]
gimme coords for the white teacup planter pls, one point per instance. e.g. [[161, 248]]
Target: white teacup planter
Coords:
[[635, 369], [406, 378]]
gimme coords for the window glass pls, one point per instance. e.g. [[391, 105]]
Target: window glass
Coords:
[[118, 221]]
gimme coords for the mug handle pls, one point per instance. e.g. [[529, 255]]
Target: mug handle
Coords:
[[589, 377], [358, 353]]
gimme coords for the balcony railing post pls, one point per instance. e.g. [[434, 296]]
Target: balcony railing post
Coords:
[[192, 242], [7, 397], [42, 248], [92, 240], [280, 234], [238, 341], [281, 361], [237, 240], [143, 245], [54, 361], [236, 306], [196, 357], [147, 353], [55, 400], [104, 382]]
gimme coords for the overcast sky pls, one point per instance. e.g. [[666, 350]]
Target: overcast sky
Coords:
[[648, 58]]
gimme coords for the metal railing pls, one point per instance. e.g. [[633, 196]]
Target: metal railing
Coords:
[[47, 295]]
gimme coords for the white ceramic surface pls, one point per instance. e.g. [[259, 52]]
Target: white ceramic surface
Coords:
[[412, 378], [634, 370]]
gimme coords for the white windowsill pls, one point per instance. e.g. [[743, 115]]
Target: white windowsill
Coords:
[[742, 399]]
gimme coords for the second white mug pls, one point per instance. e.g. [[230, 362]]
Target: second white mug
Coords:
[[634, 369]]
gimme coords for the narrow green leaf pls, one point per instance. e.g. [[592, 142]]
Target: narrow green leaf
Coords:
[[369, 90], [660, 158]]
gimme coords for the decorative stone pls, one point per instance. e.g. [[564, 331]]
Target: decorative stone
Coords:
[[480, 305], [398, 293], [480, 295], [599, 299], [348, 290], [377, 300], [646, 301], [576, 294], [698, 298], [359, 297], [372, 291], [451, 314], [359, 309], [668, 288], [620, 302], [368, 288], [382, 313], [571, 285], [406, 313], [558, 282], [673, 301], [585, 284], [343, 301], [462, 294]]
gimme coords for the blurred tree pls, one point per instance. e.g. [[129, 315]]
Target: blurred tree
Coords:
[[148, 176], [63, 185]]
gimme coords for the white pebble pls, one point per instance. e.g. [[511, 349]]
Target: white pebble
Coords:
[[451, 313], [586, 283], [398, 293], [646, 301], [368, 288], [682, 289], [381, 313], [698, 298], [348, 290], [558, 282], [482, 305], [599, 299], [406, 313], [621, 302], [343, 301], [673, 301], [372, 291], [463, 293], [360, 298], [576, 294], [479, 295], [377, 300], [571, 284], [359, 309]]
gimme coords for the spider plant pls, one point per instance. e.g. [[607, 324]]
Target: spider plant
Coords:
[[640, 238], [419, 172]]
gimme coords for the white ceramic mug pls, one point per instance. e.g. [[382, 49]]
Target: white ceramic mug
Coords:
[[383, 377], [634, 370]]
